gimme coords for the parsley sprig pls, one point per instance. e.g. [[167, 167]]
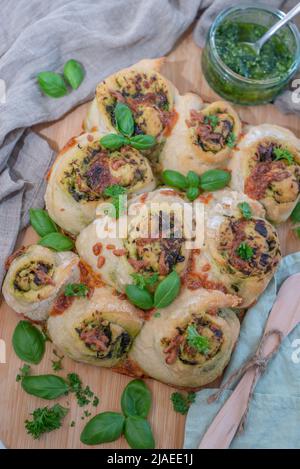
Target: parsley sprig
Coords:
[[181, 402], [245, 210], [283, 154], [245, 252], [197, 341], [45, 420], [76, 289]]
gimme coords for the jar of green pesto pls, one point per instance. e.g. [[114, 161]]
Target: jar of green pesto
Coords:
[[233, 70]]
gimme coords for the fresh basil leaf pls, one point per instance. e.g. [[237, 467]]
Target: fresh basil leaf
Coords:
[[113, 141], [193, 179], [214, 179], [192, 193], [136, 399], [28, 342], [41, 222], [45, 386], [174, 179], [245, 210], [142, 142], [103, 428], [57, 241], [139, 297], [167, 290], [76, 289], [52, 84], [138, 433], [295, 215], [73, 73], [124, 119]]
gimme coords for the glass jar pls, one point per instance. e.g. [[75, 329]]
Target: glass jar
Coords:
[[233, 86]]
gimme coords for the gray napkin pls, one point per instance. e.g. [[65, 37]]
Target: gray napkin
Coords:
[[104, 36]]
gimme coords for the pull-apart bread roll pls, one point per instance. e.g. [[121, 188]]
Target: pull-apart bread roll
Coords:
[[148, 94], [241, 250], [190, 344], [266, 167], [203, 137], [82, 172], [154, 242], [99, 330], [35, 277]]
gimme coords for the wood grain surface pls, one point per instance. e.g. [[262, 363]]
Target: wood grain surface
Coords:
[[184, 69]]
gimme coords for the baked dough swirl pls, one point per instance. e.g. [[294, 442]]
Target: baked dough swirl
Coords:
[[35, 276]]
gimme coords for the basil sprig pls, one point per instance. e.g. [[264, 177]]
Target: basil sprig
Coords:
[[41, 222], [55, 85], [109, 426], [28, 342], [45, 386], [73, 73], [164, 294], [192, 183], [125, 127], [57, 241]]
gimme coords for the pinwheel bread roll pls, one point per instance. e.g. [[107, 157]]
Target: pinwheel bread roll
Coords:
[[154, 242], [203, 137], [35, 277], [190, 343], [148, 94], [266, 167], [99, 330], [82, 172], [241, 250]]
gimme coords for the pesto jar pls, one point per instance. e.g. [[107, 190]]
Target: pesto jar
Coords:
[[239, 77]]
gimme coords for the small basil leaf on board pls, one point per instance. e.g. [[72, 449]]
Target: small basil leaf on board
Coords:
[[57, 241], [142, 142], [138, 433], [295, 215], [73, 73], [41, 222], [192, 193], [104, 427], [193, 179], [124, 119], [174, 179], [52, 84], [136, 399], [28, 342], [45, 386], [167, 290], [214, 179], [139, 297], [113, 141]]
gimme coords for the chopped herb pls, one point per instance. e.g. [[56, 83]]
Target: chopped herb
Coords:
[[244, 251], [245, 210], [84, 395], [231, 140], [283, 154], [45, 420], [86, 413], [181, 403], [72, 424], [24, 371], [197, 341], [95, 401], [143, 281], [212, 120], [76, 289], [57, 364], [157, 315]]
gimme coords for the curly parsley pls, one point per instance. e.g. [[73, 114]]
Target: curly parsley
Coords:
[[245, 252], [197, 341], [45, 420], [181, 403]]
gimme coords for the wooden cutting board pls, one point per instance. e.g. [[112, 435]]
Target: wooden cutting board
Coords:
[[184, 69]]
